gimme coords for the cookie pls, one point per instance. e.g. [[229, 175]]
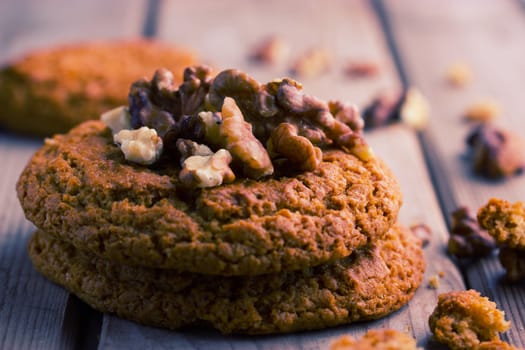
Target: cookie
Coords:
[[465, 320], [377, 339], [371, 283], [79, 188], [50, 91]]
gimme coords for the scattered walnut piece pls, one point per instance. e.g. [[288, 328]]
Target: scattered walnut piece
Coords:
[[496, 345], [459, 74], [423, 232], [272, 49], [495, 152], [142, 146], [483, 110], [313, 62], [384, 108], [117, 119], [464, 319], [467, 238], [207, 171], [362, 69], [379, 339], [415, 109], [506, 223]]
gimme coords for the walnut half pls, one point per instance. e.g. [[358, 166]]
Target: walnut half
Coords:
[[207, 170]]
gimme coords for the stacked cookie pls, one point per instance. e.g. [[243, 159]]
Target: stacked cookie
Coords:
[[291, 251]]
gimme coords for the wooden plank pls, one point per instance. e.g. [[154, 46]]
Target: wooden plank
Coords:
[[350, 29], [34, 313], [488, 36]]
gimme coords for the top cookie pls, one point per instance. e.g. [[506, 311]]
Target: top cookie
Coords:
[[50, 91], [80, 188]]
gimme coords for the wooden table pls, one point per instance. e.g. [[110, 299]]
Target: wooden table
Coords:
[[414, 41]]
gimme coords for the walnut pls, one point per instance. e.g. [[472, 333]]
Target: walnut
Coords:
[[464, 319], [192, 92], [144, 112], [483, 110], [285, 142], [459, 74], [141, 145], [415, 109], [384, 109], [467, 239], [313, 62], [379, 339], [188, 148], [362, 69], [237, 138], [271, 50], [495, 153], [117, 119], [207, 170], [496, 345]]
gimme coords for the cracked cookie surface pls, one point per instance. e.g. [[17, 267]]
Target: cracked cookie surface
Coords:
[[79, 188], [371, 283]]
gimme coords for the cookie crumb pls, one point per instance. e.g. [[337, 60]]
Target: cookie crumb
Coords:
[[464, 320], [433, 282], [380, 339], [459, 74], [483, 110]]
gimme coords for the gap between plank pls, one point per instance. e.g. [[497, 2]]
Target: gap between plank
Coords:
[[81, 325], [150, 29], [443, 192]]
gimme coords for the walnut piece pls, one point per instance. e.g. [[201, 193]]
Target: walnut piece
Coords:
[[415, 109], [483, 110], [362, 69], [208, 170], [141, 146], [117, 119], [237, 138], [464, 319], [271, 50], [384, 109], [285, 141], [379, 339], [495, 152], [313, 62], [467, 239], [188, 148], [459, 74]]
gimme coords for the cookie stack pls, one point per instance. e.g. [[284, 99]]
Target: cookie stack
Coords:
[[272, 255]]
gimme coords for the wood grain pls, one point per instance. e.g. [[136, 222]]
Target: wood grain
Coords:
[[355, 32], [488, 36]]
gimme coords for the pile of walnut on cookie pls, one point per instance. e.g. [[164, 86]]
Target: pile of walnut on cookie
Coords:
[[227, 125]]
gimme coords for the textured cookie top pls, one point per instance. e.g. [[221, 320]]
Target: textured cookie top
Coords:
[[79, 187], [50, 91], [373, 282]]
